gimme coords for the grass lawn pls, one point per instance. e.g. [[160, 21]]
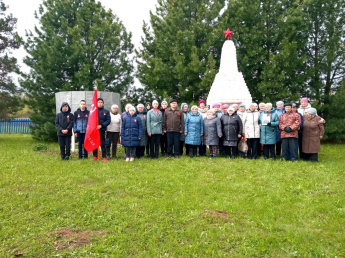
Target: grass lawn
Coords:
[[169, 207]]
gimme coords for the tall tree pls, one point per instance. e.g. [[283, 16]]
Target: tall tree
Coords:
[[78, 42], [9, 101], [326, 50], [180, 49], [271, 46]]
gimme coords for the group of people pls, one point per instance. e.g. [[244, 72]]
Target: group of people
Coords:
[[264, 130]]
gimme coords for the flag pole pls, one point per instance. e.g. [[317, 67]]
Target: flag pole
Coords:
[[97, 123]]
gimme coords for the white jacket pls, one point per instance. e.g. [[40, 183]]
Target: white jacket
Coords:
[[251, 126], [115, 124]]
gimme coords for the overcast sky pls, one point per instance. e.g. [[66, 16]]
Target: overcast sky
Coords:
[[131, 13]]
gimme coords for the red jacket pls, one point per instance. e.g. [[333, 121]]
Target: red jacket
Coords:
[[292, 120]]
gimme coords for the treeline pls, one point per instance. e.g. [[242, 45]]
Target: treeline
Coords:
[[286, 49]]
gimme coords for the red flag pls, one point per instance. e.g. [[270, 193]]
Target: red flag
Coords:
[[92, 136]]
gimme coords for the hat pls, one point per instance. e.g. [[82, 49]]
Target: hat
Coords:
[[148, 103], [140, 106], [164, 102], [288, 104], [262, 104], [242, 105], [225, 106], [194, 106], [312, 111], [114, 106], [216, 105], [202, 101], [184, 104], [211, 111], [131, 108], [173, 100], [268, 104], [155, 101], [279, 103], [128, 105], [304, 99], [293, 105], [231, 108], [100, 99], [255, 104]]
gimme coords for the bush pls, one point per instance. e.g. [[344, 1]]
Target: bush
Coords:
[[46, 133]]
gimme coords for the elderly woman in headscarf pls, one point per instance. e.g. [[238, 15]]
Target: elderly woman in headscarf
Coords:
[[252, 130], [217, 111], [154, 128], [269, 122], [241, 113], [313, 132], [212, 132], [232, 131], [113, 130], [185, 109], [194, 130], [126, 113], [142, 113]]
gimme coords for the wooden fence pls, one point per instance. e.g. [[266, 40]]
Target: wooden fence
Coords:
[[15, 126]]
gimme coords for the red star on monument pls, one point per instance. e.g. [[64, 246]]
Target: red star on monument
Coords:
[[228, 33]]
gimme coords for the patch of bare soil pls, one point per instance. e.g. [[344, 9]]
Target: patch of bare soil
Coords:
[[67, 239]]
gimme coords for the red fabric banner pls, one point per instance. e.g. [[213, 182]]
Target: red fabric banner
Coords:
[[92, 136]]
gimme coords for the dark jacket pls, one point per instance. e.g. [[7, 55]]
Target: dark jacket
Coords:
[[173, 120], [232, 126], [103, 118], [80, 120], [131, 131], [212, 131], [268, 133], [143, 117], [64, 120]]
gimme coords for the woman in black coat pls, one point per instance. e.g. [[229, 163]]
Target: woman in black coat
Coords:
[[232, 130]]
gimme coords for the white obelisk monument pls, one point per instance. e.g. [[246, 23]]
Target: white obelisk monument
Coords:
[[229, 86]]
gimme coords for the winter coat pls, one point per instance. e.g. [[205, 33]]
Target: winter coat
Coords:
[[279, 113], [203, 112], [312, 131], [292, 120], [182, 136], [194, 126], [64, 120], [124, 114], [143, 117], [304, 111], [212, 131], [115, 123], [173, 120], [218, 114], [103, 118], [231, 126], [80, 120], [268, 133], [131, 131], [241, 115], [154, 122], [251, 124]]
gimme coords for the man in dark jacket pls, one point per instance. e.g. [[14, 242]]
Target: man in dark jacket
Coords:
[[173, 126], [164, 140], [81, 116], [64, 124], [103, 121]]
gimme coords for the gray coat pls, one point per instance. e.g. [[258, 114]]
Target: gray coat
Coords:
[[154, 122], [212, 131], [144, 139]]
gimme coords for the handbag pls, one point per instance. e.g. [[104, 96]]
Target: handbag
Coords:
[[243, 146]]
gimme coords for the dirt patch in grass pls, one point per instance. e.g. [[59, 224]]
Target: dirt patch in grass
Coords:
[[67, 239], [88, 183], [216, 217]]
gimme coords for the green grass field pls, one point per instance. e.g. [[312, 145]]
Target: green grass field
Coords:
[[169, 207]]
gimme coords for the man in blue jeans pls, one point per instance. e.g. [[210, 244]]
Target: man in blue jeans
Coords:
[[81, 116], [173, 126]]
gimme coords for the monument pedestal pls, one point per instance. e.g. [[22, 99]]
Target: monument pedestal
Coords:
[[229, 86]]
